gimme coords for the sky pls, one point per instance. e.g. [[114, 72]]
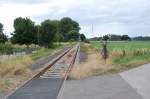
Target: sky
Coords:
[[96, 17]]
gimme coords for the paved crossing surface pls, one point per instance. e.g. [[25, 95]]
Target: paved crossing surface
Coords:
[[106, 87], [132, 84], [139, 79]]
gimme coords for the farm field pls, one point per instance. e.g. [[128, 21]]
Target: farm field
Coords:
[[127, 54], [124, 45]]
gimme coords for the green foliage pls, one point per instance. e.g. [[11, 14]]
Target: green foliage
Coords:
[[3, 37], [141, 38], [66, 26], [82, 37], [25, 31], [112, 37], [48, 32], [125, 37], [1, 27], [6, 48], [58, 36], [105, 37], [87, 41], [74, 35], [131, 61]]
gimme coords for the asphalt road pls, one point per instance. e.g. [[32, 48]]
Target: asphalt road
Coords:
[[105, 87], [132, 84], [139, 79]]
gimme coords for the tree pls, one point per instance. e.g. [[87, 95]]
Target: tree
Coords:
[[114, 37], [105, 37], [66, 26], [58, 35], [142, 38], [73, 35], [82, 37], [3, 37], [125, 37], [25, 31], [1, 27], [75, 26], [48, 32]]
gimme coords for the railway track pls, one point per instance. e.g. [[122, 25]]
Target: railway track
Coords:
[[48, 83]]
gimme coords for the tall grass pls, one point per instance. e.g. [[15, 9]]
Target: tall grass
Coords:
[[15, 66], [14, 72], [9, 48]]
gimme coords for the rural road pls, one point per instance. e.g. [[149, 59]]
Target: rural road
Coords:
[[132, 84]]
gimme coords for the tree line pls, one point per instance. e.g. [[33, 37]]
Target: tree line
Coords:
[[44, 34], [112, 37], [142, 38]]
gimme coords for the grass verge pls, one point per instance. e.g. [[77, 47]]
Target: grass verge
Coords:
[[14, 72], [117, 62]]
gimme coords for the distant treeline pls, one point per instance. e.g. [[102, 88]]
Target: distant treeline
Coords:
[[114, 37], [142, 38], [44, 34]]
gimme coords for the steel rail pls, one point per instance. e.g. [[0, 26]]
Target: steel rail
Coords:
[[67, 73], [45, 69]]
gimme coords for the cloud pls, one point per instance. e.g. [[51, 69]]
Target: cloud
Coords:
[[107, 16], [9, 12]]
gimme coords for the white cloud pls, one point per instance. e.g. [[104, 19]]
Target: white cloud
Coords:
[[10, 11], [107, 16]]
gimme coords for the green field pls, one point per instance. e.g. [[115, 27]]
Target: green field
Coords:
[[136, 53], [128, 46]]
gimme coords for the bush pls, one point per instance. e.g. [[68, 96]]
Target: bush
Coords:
[[6, 49], [87, 41], [10, 48]]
